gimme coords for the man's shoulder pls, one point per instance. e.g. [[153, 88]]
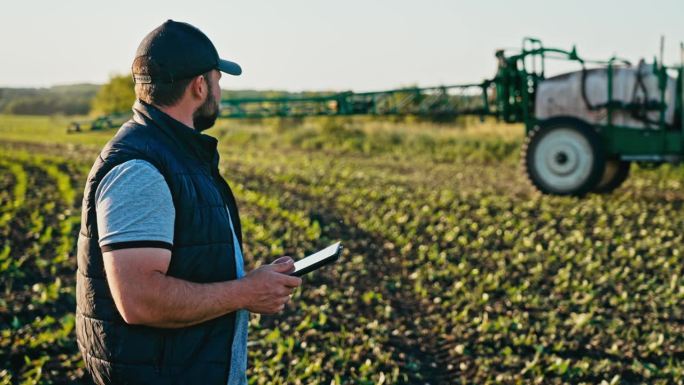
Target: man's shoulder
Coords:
[[130, 175], [135, 167], [134, 204], [134, 131], [134, 140]]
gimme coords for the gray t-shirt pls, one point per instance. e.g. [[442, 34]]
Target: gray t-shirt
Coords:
[[134, 209]]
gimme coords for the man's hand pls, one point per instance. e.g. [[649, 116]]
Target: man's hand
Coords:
[[269, 287]]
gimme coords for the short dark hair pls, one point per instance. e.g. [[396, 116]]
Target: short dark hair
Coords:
[[161, 94], [164, 94]]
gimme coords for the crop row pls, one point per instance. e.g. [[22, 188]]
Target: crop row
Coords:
[[452, 271], [38, 235], [514, 286]]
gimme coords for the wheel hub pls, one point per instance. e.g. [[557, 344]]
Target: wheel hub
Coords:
[[563, 159]]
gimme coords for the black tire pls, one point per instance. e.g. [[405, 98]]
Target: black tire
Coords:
[[615, 173], [564, 156]]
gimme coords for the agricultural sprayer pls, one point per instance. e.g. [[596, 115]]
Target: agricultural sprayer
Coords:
[[583, 128]]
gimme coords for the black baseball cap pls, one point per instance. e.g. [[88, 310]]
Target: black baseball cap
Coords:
[[175, 51]]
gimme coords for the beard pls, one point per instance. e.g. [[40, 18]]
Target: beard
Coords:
[[205, 116]]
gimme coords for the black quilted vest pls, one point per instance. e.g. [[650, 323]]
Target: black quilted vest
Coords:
[[203, 251]]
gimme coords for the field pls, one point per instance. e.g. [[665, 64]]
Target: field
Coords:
[[454, 270]]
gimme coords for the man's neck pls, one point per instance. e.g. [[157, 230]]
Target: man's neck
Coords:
[[181, 113]]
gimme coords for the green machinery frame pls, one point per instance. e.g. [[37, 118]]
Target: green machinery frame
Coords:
[[102, 122], [446, 101], [509, 96], [517, 80]]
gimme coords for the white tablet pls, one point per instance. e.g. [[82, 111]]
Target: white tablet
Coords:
[[317, 259]]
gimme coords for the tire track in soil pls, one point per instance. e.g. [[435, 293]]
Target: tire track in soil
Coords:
[[424, 356]]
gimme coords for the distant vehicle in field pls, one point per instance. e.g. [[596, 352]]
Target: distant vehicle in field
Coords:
[[583, 128], [102, 122]]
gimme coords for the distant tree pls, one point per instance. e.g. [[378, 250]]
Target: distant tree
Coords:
[[117, 95], [65, 99], [47, 104]]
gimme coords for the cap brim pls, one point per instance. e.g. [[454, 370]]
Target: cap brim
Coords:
[[229, 67]]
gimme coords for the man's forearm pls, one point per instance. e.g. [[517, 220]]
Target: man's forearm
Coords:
[[168, 302], [145, 295]]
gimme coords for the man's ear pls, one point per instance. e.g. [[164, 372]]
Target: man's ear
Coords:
[[198, 87]]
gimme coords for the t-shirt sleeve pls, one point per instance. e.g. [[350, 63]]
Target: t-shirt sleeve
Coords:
[[134, 208]]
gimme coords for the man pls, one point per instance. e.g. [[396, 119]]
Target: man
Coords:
[[161, 293]]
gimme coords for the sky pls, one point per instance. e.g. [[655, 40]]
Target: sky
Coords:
[[358, 45]]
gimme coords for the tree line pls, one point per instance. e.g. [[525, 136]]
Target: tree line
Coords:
[[65, 100], [115, 96]]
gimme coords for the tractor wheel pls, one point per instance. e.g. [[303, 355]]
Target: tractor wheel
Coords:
[[564, 156], [615, 173]]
